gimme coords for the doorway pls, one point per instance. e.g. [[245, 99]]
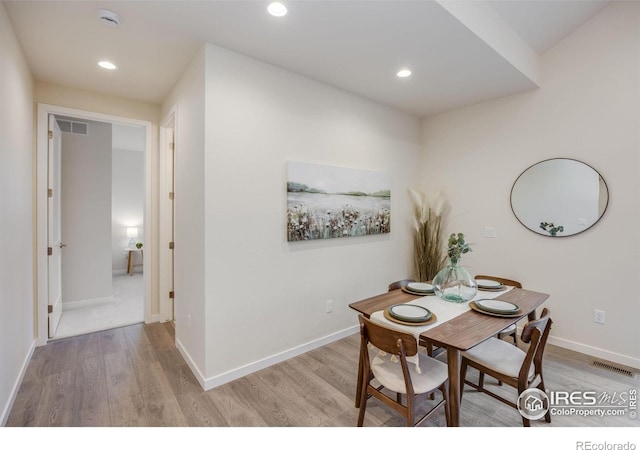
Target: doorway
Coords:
[[142, 226]]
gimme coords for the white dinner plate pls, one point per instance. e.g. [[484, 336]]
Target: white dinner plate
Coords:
[[497, 306], [489, 284], [420, 287], [409, 313]]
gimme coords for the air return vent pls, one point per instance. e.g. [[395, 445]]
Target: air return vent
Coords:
[[67, 126], [612, 368]]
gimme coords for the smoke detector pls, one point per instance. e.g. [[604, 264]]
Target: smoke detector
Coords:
[[108, 18]]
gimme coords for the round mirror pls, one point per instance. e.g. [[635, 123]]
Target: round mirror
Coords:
[[559, 197]]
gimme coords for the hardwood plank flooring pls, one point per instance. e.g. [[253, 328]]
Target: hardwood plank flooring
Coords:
[[135, 377]]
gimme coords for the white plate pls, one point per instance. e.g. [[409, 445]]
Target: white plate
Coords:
[[497, 306], [420, 287], [410, 313], [488, 284]]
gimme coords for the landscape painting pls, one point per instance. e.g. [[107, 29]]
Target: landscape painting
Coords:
[[326, 202]]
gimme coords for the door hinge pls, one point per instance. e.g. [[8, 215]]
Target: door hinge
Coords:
[[171, 195], [170, 245], [50, 309], [172, 146], [50, 134], [49, 251], [170, 294], [49, 193]]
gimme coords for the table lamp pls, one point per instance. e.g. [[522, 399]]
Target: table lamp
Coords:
[[132, 232]]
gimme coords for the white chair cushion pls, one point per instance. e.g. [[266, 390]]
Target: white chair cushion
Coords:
[[500, 356], [389, 373], [510, 329]]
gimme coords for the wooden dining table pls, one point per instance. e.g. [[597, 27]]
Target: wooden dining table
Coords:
[[457, 334]]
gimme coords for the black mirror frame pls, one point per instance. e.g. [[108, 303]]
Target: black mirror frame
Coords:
[[557, 236]]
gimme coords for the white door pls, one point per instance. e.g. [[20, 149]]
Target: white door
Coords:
[[54, 232]]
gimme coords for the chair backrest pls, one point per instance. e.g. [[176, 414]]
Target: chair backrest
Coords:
[[536, 333], [505, 281], [398, 284], [388, 340]]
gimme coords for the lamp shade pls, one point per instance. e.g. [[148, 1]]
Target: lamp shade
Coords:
[[132, 232]]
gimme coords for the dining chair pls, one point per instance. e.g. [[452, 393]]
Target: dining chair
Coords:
[[398, 284], [511, 330], [387, 364], [510, 364]]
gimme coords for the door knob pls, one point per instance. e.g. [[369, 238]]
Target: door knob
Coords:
[[62, 245]]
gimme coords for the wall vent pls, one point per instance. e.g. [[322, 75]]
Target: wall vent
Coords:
[[68, 126], [611, 368]]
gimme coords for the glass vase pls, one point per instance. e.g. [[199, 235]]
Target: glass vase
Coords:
[[454, 284]]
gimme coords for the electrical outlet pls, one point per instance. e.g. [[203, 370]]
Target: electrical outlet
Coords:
[[489, 232], [599, 316], [329, 306]]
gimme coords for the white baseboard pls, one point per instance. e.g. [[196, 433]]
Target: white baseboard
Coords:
[[192, 365], [154, 318], [223, 378], [87, 302], [596, 352], [16, 386]]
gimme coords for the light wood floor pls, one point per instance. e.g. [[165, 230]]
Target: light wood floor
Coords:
[[134, 376]]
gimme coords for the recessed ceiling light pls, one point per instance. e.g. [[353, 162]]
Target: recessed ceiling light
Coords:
[[107, 65], [403, 73], [277, 9]]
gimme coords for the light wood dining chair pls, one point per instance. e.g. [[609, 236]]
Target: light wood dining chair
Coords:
[[400, 283], [398, 376], [511, 330], [510, 364]]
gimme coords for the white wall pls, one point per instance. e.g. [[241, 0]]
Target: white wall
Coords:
[[265, 297], [16, 215], [86, 214], [127, 204], [587, 108], [189, 275]]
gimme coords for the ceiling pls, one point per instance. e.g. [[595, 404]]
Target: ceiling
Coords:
[[460, 52]]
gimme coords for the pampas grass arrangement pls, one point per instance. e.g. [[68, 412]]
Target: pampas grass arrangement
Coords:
[[429, 250]]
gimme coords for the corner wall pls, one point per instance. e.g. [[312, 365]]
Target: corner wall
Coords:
[[587, 108], [266, 297], [16, 216], [188, 97]]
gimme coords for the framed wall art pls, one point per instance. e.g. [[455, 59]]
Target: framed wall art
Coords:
[[325, 202]]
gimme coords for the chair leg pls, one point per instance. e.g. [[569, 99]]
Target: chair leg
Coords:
[[359, 386], [547, 416], [363, 404], [481, 381], [463, 376], [410, 412], [445, 395], [429, 348]]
